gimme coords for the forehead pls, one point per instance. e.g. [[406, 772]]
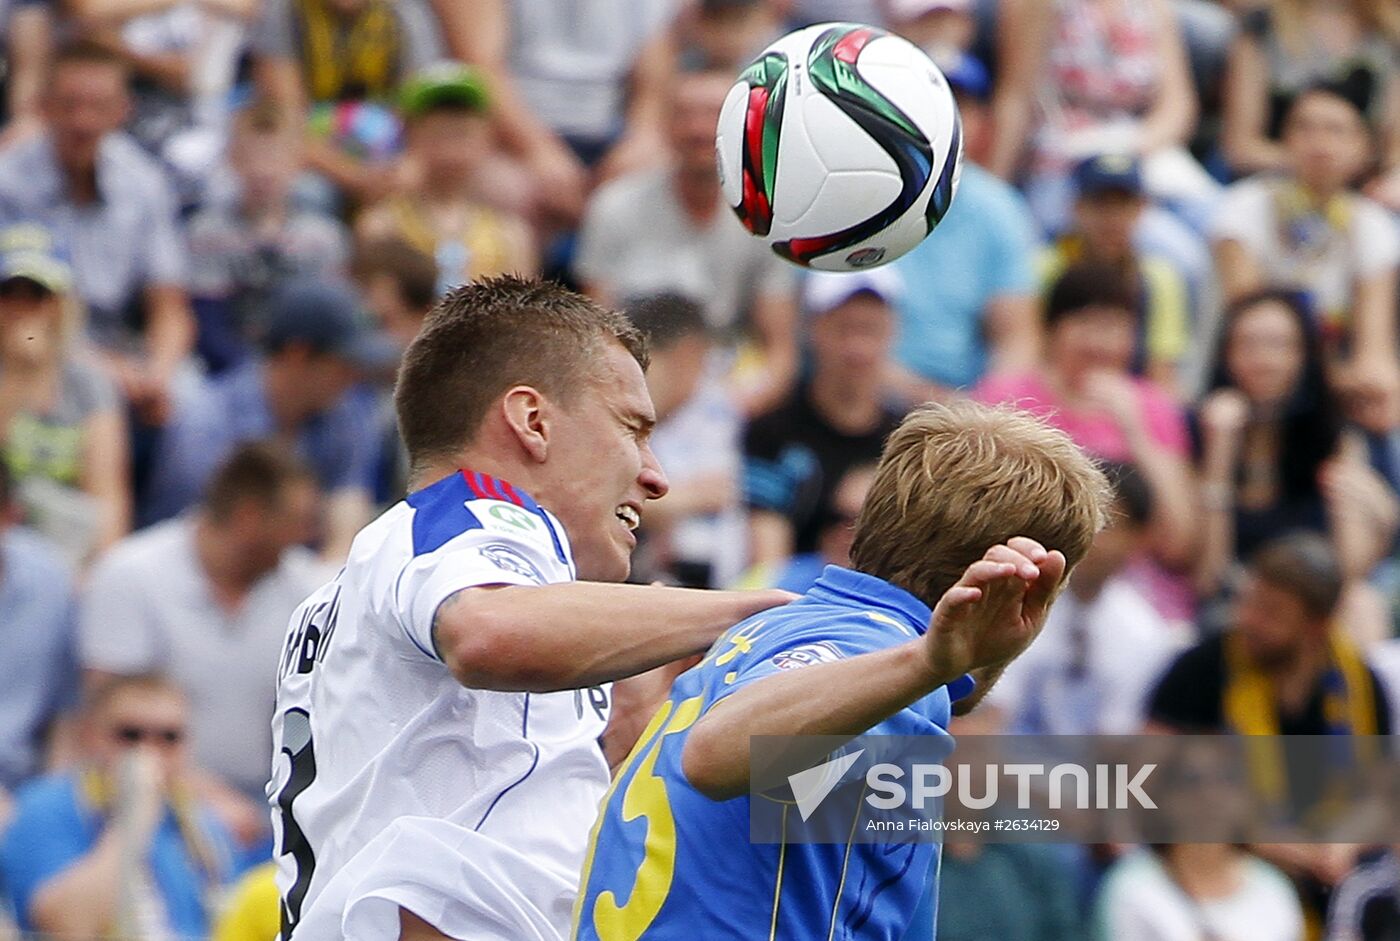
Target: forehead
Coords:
[[1320, 106], [621, 383], [139, 701], [85, 74]]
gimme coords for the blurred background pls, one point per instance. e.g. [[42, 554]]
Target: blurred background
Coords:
[[221, 221]]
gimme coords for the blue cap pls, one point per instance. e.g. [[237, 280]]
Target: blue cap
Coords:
[[327, 317], [1109, 173], [29, 251], [965, 73]]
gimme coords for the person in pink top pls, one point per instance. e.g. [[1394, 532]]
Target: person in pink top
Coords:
[[1084, 387]]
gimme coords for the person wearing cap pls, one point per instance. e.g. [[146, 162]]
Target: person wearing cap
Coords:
[[970, 304], [316, 346], [441, 213], [204, 600], [1109, 203], [797, 453], [242, 249], [114, 209], [63, 433], [343, 60]]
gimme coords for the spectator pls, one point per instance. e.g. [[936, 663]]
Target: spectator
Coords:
[[669, 230], [181, 66], [26, 29], [695, 534], [1366, 905], [39, 672], [726, 35], [1284, 666], [1109, 203], [441, 215], [117, 847], [1086, 388], [945, 29], [575, 96], [62, 432], [800, 572], [1303, 229], [1083, 77], [1103, 647], [1272, 452], [301, 391], [795, 454], [1283, 48], [970, 303], [972, 873], [339, 62], [112, 207], [244, 249], [206, 598], [1186, 892], [399, 284]]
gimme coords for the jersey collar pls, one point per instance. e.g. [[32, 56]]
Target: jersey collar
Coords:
[[854, 589]]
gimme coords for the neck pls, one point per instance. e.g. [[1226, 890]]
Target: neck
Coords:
[[699, 196], [850, 404], [219, 558], [1295, 679], [82, 182], [1203, 870], [283, 390]]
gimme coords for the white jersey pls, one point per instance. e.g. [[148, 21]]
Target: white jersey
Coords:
[[393, 786]]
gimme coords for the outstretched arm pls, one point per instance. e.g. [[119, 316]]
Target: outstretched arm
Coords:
[[567, 636], [984, 621]]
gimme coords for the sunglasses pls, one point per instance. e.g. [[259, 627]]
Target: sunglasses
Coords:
[[135, 735]]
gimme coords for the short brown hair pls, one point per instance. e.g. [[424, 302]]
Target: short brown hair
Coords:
[[485, 337], [415, 273], [957, 479], [259, 471], [1306, 566]]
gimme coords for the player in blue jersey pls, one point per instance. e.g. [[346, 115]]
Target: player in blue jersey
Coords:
[[950, 580]]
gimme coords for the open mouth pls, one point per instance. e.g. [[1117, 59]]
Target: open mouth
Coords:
[[629, 516]]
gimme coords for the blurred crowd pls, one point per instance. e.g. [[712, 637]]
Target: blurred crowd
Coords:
[[1177, 237]]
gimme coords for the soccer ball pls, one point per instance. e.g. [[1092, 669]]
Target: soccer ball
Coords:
[[840, 146]]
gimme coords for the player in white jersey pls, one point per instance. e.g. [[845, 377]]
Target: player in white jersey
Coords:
[[436, 761]]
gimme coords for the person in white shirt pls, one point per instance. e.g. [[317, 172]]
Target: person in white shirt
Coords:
[[1104, 645], [436, 764], [204, 600]]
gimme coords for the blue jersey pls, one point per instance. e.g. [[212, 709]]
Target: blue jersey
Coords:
[[668, 863]]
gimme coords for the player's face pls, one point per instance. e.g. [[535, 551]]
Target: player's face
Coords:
[[602, 467]]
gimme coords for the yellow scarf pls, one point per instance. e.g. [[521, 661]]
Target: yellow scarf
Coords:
[[349, 61]]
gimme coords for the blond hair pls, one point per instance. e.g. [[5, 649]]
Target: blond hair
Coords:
[[957, 479]]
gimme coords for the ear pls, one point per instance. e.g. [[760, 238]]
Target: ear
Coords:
[[527, 415]]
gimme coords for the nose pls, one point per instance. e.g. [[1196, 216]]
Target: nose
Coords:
[[653, 478]]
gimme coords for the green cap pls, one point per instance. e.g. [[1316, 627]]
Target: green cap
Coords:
[[28, 251], [444, 84]]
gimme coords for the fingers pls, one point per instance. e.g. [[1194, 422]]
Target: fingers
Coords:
[[1028, 547], [1052, 572], [986, 571]]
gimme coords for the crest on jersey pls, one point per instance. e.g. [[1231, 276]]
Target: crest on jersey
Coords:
[[806, 655], [511, 559]]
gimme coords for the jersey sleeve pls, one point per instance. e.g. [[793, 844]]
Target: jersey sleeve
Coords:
[[754, 658], [475, 559]]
